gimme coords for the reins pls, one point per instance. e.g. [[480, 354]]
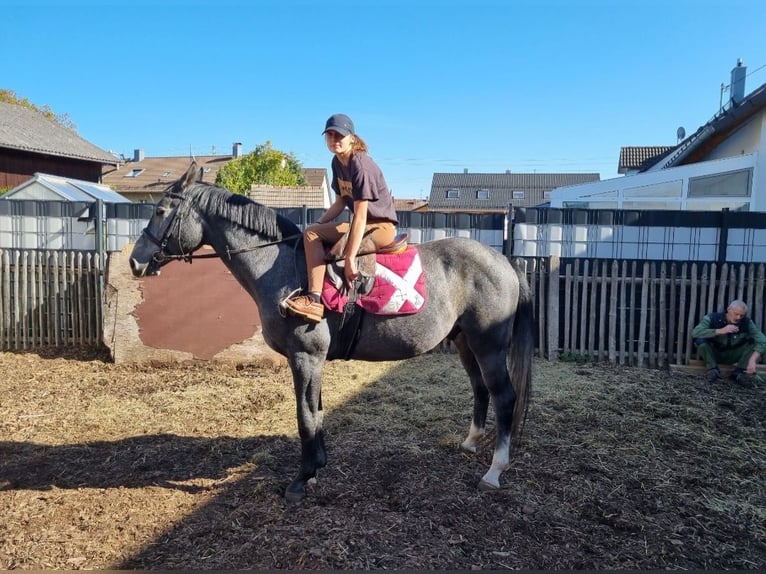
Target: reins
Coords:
[[231, 252]]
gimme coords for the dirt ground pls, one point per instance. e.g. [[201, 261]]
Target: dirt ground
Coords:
[[164, 467]]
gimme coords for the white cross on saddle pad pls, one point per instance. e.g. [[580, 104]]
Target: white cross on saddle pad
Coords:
[[399, 288]]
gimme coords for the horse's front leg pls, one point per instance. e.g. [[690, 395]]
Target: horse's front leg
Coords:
[[307, 379]]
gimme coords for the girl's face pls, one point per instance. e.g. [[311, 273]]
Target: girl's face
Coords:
[[338, 144]]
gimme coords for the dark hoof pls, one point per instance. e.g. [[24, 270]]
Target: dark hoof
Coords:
[[296, 491], [485, 486]]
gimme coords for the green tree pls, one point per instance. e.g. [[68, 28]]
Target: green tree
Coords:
[[265, 165], [10, 97]]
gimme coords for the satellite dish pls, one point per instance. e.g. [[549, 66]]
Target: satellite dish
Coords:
[[680, 133]]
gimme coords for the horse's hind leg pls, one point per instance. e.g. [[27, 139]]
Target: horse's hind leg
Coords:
[[489, 377], [494, 367], [480, 394]]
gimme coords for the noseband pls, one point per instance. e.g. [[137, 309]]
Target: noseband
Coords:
[[162, 242]]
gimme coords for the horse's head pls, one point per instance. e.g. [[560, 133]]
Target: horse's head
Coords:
[[174, 231]]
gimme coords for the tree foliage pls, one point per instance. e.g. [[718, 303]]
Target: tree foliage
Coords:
[[265, 165], [10, 97]]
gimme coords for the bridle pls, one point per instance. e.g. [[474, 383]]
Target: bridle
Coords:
[[174, 220]]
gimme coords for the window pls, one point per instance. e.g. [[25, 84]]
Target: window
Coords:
[[453, 193], [663, 189], [546, 195], [518, 195], [135, 172], [729, 184], [482, 194]]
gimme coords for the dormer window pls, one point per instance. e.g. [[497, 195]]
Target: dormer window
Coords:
[[482, 194], [135, 172], [453, 193]]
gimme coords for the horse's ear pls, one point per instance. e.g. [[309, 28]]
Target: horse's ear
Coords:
[[191, 175], [186, 179]]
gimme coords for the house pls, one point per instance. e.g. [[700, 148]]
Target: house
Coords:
[[31, 143], [495, 192], [635, 158], [720, 166], [144, 180], [316, 194], [419, 205]]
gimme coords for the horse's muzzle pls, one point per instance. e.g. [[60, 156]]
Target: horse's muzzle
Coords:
[[140, 269]]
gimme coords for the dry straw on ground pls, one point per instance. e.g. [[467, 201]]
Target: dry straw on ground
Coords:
[[159, 467]]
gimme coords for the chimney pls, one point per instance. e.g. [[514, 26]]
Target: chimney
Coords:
[[138, 155], [737, 87], [236, 149]]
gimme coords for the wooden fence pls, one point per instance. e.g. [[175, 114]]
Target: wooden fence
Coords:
[[626, 312], [49, 299], [638, 313]]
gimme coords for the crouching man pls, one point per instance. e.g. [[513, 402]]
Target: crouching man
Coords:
[[730, 338]]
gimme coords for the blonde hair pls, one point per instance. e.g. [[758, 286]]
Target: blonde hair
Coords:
[[358, 145]]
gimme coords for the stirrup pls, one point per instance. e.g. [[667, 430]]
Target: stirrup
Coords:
[[282, 305]]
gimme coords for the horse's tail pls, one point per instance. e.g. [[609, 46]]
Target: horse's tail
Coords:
[[521, 353]]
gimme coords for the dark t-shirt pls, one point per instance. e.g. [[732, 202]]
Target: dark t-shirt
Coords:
[[363, 179]]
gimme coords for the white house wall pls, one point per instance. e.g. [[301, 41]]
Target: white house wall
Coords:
[[613, 193], [748, 139]]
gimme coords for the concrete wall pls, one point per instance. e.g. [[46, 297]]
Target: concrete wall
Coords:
[[189, 312]]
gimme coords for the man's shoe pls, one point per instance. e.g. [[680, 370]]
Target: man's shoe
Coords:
[[713, 375], [740, 377], [305, 307], [737, 375]]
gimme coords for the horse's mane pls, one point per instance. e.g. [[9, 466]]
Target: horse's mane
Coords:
[[241, 210]]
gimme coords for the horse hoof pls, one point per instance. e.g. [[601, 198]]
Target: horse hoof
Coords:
[[466, 447], [485, 486], [295, 492]]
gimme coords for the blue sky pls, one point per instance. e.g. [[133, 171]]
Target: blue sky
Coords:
[[433, 86]]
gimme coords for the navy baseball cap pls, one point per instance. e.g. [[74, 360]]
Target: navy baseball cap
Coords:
[[340, 123]]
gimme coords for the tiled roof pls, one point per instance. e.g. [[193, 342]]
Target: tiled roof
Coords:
[[315, 175], [410, 204], [25, 129], [274, 197], [154, 174], [640, 157], [495, 191], [696, 147]]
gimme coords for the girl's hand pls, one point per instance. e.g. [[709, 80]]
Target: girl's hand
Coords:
[[350, 271]]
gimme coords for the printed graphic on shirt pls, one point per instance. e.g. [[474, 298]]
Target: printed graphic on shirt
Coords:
[[345, 188]]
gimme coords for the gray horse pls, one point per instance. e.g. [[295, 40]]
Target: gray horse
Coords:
[[475, 298]]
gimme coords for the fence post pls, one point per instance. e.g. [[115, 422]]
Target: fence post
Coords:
[[100, 246], [508, 230], [723, 237], [552, 312]]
